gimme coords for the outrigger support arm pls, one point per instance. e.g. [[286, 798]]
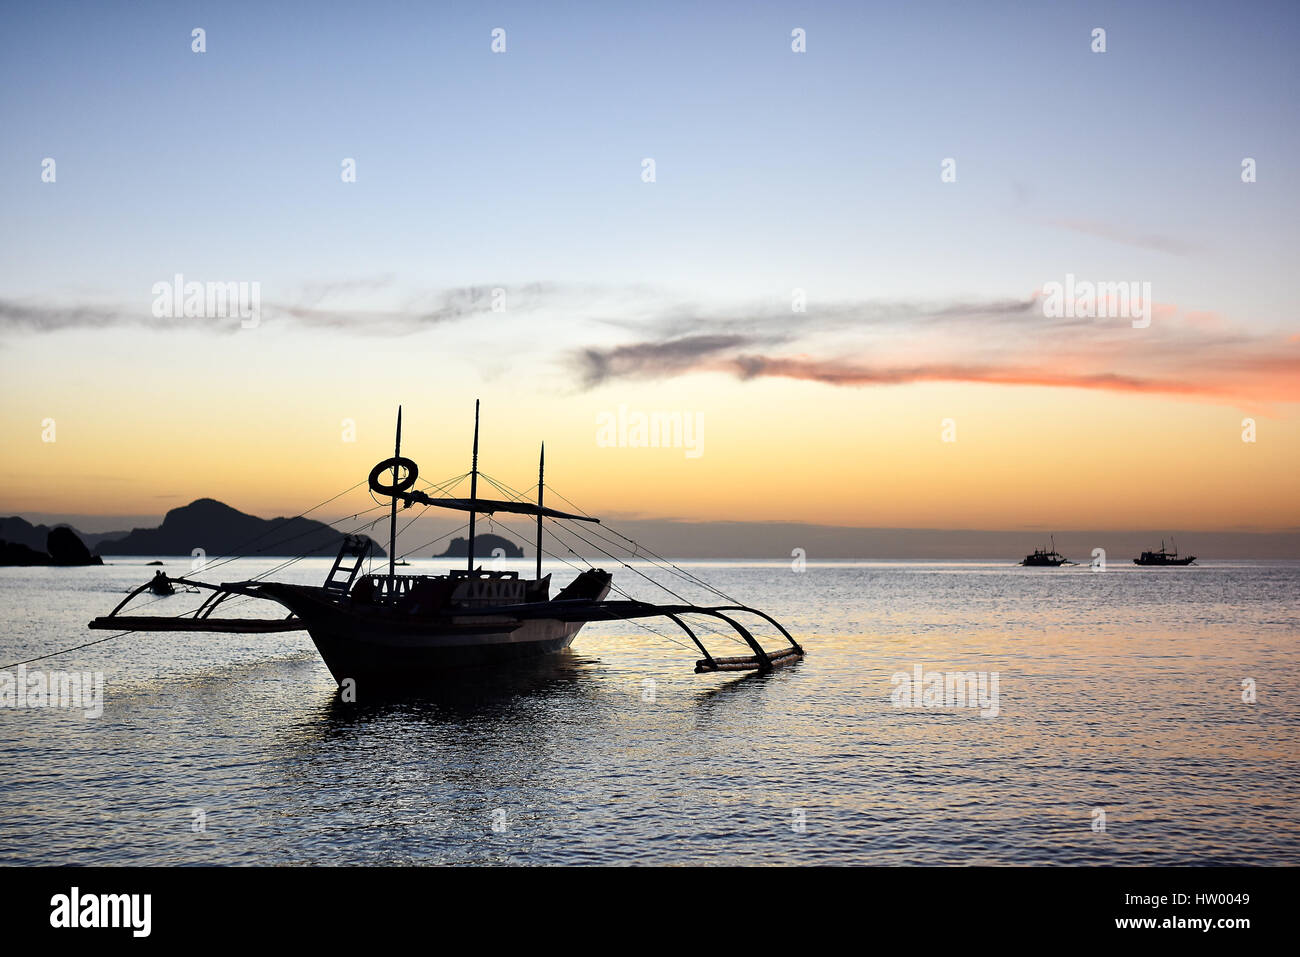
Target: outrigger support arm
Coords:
[[125, 601], [687, 628], [581, 610], [202, 619]]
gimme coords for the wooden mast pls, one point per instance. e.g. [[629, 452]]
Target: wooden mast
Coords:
[[473, 490], [392, 515], [541, 466]]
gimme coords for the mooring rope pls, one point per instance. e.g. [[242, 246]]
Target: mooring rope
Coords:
[[52, 654]]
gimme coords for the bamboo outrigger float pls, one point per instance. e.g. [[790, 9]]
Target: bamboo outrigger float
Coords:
[[390, 629]]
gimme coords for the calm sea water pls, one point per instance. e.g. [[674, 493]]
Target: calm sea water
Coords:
[[1119, 693]]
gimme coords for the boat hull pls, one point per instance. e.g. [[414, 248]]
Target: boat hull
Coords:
[[393, 657], [373, 648]]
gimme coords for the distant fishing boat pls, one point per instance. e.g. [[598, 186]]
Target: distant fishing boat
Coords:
[[1046, 558], [1163, 557], [161, 585], [391, 629]]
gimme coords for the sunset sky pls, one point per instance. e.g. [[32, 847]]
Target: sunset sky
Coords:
[[775, 171]]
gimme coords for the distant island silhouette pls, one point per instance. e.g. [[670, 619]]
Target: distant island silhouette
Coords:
[[484, 546], [205, 523], [62, 547], [15, 530]]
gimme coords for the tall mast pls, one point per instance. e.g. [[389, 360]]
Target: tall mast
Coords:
[[392, 515], [541, 467], [473, 489]]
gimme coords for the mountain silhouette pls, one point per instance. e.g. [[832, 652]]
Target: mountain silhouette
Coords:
[[221, 530], [62, 547], [16, 530]]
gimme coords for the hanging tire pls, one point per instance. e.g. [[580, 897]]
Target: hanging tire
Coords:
[[412, 472]]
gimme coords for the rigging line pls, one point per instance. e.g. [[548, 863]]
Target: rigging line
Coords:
[[640, 624], [312, 531], [706, 627], [615, 558], [690, 576], [233, 555], [650, 628], [616, 588], [514, 493], [635, 550], [496, 485], [297, 558], [502, 484], [437, 487], [510, 494], [700, 581], [370, 559], [438, 539], [570, 551], [239, 599], [402, 557], [454, 478], [446, 486], [571, 505], [301, 555], [509, 490], [371, 552], [628, 596]]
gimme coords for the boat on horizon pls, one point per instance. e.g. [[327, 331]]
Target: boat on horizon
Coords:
[[1163, 557], [1045, 558], [392, 629]]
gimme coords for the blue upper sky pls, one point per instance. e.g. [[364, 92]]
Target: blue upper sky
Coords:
[[774, 169]]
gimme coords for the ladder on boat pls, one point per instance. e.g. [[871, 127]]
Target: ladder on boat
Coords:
[[340, 578]]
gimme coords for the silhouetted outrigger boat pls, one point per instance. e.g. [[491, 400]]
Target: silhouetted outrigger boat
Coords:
[[1046, 558], [1163, 557], [161, 585], [402, 629]]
